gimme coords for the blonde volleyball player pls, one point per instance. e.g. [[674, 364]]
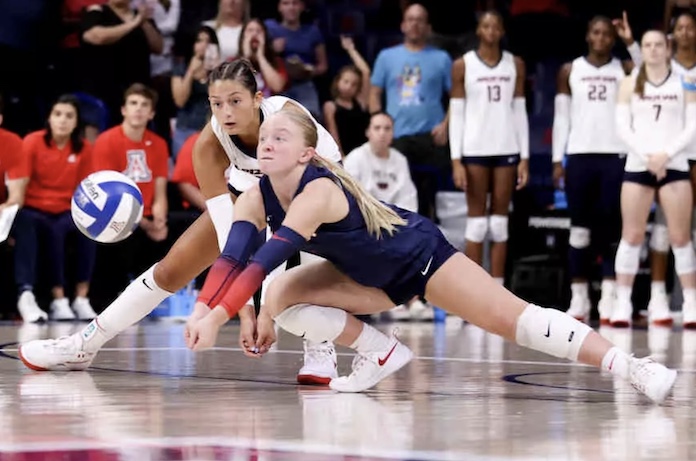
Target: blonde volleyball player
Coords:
[[376, 256], [683, 64], [230, 139], [489, 139], [656, 119], [584, 130]]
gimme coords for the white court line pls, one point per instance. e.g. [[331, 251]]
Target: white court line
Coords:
[[348, 354], [128, 445]]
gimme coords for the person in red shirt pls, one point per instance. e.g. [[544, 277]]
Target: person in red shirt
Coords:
[[143, 156], [185, 178], [55, 160], [11, 171]]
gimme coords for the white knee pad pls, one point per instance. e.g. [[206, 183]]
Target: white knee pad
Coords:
[[579, 237], [476, 229], [498, 225], [684, 259], [627, 258], [315, 323], [659, 239], [551, 331]]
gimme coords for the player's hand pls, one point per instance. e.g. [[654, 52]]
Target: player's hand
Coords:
[[558, 175], [623, 29], [657, 164], [522, 174], [204, 333], [200, 310], [265, 333], [247, 332], [459, 175], [439, 134]]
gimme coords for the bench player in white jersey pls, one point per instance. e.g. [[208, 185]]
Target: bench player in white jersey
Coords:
[[228, 142], [656, 119], [584, 130], [683, 64], [489, 139]]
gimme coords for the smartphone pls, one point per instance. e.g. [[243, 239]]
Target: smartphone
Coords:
[[212, 56]]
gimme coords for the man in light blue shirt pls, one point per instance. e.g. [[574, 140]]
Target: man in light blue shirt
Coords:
[[414, 77]]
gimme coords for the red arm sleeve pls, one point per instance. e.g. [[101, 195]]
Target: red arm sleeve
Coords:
[[16, 158], [160, 164], [104, 156], [183, 170]]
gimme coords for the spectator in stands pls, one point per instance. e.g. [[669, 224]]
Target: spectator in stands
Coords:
[[142, 156], [384, 172], [185, 178], [165, 14], [414, 77], [11, 170], [256, 46], [455, 33], [674, 9], [117, 45], [346, 116], [228, 26], [302, 47], [190, 87], [70, 58], [55, 160]]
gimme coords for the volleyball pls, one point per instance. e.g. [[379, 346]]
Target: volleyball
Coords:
[[107, 206]]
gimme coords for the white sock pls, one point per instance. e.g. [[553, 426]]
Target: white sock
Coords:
[[623, 294], [370, 340], [616, 362], [499, 280], [580, 290], [608, 288], [658, 289], [139, 299]]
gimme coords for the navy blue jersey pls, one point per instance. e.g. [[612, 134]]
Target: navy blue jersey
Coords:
[[400, 264]]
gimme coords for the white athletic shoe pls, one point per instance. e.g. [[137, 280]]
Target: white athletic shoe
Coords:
[[658, 311], [579, 308], [652, 379], [83, 309], [29, 309], [370, 369], [622, 315], [421, 311], [400, 313], [605, 307], [319, 364], [60, 310], [689, 314], [63, 354]]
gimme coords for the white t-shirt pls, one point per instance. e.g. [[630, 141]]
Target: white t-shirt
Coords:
[[228, 37], [387, 179]]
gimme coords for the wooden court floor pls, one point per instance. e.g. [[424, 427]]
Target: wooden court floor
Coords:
[[467, 396]]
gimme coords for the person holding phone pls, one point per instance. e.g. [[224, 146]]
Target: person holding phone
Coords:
[[189, 87]]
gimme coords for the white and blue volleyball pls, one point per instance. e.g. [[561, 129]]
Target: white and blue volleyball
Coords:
[[107, 206]]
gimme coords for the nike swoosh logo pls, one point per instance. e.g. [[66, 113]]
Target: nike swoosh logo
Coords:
[[427, 267], [548, 330], [146, 285], [381, 362]]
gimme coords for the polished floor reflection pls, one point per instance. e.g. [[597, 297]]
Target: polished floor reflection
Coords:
[[468, 396]]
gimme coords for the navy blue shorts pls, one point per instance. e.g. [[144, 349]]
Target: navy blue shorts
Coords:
[[648, 179], [405, 290], [493, 161]]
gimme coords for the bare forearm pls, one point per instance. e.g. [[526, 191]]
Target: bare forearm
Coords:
[[193, 195], [154, 38]]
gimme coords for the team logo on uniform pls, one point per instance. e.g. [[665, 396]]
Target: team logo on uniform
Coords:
[[137, 168]]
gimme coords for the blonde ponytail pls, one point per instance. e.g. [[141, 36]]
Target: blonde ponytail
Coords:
[[378, 217]]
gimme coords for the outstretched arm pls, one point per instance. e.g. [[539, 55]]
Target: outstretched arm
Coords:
[[232, 281]]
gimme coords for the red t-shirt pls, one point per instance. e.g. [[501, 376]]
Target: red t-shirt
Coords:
[[142, 161], [53, 172], [10, 159], [183, 170]]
